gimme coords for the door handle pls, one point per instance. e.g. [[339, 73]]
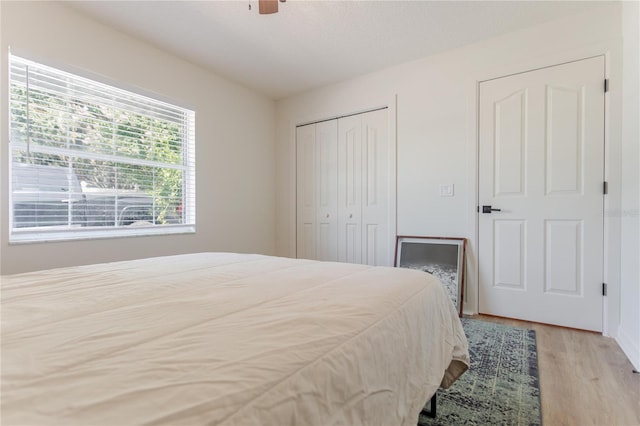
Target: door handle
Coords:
[[488, 209]]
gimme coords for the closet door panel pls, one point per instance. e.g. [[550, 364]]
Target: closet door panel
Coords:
[[350, 189], [326, 138], [306, 192], [375, 184], [343, 185]]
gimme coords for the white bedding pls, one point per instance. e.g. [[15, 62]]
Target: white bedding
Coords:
[[225, 339]]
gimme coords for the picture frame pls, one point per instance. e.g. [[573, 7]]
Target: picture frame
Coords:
[[443, 257]]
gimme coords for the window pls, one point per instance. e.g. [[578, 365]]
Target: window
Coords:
[[90, 160]]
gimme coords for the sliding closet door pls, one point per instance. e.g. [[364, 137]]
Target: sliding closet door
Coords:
[[327, 199], [376, 180], [343, 186], [350, 189], [317, 198], [363, 189], [306, 192]]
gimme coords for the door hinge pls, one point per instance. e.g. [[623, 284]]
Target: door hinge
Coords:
[[604, 289], [605, 187], [606, 85]]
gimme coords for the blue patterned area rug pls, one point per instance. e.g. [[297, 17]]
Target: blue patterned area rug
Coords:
[[501, 387]]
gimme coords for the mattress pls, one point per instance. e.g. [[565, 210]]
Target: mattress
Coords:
[[225, 339]]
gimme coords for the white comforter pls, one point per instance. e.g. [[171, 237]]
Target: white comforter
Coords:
[[225, 339]]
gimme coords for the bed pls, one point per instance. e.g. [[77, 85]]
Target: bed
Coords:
[[225, 339]]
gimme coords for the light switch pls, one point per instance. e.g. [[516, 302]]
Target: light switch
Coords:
[[446, 190]]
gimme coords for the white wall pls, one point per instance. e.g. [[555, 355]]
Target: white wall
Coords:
[[436, 129], [629, 331], [235, 138]]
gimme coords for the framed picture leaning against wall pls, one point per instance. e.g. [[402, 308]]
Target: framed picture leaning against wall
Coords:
[[442, 257]]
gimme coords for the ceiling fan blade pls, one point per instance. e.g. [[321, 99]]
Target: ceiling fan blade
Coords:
[[266, 7]]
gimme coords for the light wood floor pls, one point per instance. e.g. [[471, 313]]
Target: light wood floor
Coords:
[[585, 378]]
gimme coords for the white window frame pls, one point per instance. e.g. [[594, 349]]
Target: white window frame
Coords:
[[187, 221]]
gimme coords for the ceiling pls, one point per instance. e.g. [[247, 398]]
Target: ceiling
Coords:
[[312, 43]]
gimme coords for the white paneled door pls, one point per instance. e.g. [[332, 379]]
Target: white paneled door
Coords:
[[305, 192], [363, 194], [541, 162], [343, 180], [317, 180]]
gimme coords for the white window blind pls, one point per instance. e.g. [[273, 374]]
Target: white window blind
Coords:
[[91, 160]]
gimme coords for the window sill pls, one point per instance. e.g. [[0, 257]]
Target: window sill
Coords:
[[43, 235]]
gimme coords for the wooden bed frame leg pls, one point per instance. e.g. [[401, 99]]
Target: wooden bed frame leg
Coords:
[[431, 412]]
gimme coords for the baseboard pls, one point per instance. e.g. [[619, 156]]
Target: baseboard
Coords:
[[629, 347]]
